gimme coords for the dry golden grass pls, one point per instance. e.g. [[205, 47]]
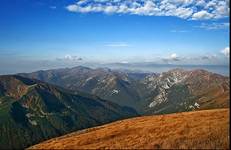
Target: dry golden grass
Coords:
[[207, 129]]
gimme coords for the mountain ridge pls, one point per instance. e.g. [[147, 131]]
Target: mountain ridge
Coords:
[[148, 93], [32, 111]]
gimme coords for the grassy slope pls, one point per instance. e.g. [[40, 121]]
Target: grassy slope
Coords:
[[198, 129]]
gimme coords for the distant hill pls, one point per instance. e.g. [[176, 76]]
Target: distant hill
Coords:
[[149, 93], [207, 129], [32, 111]]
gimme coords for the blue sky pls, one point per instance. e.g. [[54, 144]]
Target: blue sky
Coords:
[[38, 33]]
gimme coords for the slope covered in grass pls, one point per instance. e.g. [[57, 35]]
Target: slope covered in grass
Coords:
[[198, 129]]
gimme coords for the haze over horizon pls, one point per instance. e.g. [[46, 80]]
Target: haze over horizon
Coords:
[[46, 34]]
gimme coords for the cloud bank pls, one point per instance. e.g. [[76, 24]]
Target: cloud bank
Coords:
[[218, 58], [186, 9]]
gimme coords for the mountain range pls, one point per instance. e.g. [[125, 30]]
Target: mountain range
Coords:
[[149, 93], [45, 104], [32, 111]]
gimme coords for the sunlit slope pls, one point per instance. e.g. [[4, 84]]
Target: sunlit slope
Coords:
[[197, 129]]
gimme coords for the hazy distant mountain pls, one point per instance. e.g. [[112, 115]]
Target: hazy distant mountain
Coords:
[[149, 93], [32, 111]]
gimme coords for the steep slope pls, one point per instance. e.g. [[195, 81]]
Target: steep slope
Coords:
[[180, 90], [174, 91], [207, 129], [32, 111]]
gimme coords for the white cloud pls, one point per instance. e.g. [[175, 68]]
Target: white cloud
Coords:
[[186, 9], [184, 12], [124, 62], [214, 26], [117, 45], [201, 3], [179, 31], [210, 57], [174, 57], [202, 15], [225, 51], [69, 57], [197, 59], [72, 8]]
